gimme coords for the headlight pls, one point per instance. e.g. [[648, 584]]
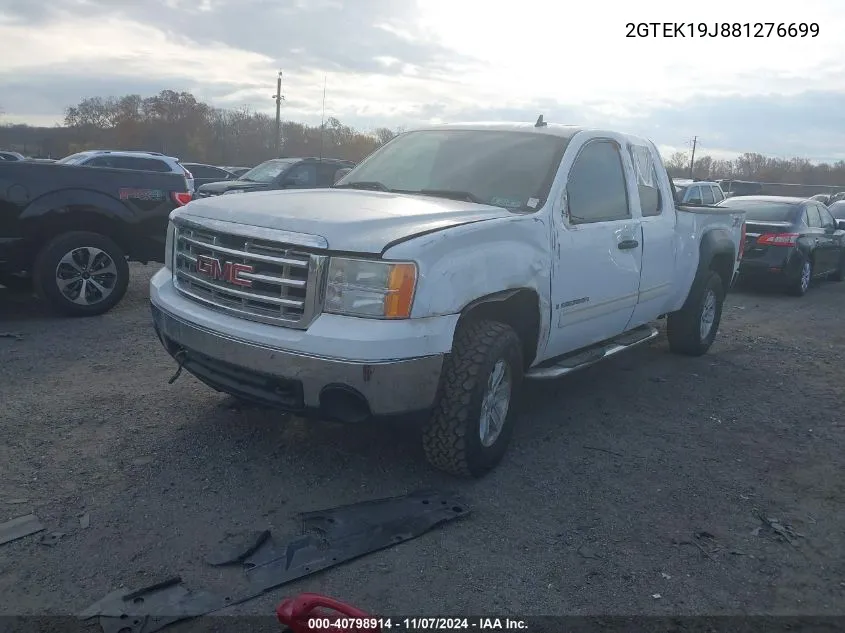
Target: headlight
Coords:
[[364, 288], [168, 246]]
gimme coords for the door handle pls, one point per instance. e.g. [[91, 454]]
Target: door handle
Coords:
[[626, 245]]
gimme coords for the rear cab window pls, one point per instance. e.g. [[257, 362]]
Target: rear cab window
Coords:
[[648, 185]]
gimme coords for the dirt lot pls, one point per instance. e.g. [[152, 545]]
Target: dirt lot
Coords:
[[595, 509]]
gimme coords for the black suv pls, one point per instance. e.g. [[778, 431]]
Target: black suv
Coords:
[[281, 173]]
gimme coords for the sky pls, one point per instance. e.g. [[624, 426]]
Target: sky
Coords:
[[401, 63]]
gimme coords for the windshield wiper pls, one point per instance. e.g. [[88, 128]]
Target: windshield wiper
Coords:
[[449, 193], [364, 184]]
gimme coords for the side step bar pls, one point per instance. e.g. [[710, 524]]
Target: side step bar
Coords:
[[579, 360]]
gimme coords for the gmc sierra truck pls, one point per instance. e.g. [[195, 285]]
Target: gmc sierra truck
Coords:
[[451, 264], [67, 232]]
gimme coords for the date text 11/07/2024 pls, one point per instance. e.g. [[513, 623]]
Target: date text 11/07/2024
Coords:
[[722, 29], [329, 624]]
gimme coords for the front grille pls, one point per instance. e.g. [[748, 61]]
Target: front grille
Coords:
[[280, 282]]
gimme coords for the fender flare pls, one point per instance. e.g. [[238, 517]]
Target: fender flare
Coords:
[[715, 242]]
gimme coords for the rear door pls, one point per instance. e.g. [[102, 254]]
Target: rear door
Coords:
[[816, 239], [829, 240], [657, 210], [598, 247]]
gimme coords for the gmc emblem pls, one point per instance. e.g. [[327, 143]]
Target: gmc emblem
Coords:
[[224, 271]]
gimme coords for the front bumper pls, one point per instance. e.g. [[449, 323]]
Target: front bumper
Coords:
[[298, 382]]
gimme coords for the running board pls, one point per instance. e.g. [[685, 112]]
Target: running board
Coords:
[[590, 356]]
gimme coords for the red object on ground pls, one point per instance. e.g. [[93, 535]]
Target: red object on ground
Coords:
[[309, 612]]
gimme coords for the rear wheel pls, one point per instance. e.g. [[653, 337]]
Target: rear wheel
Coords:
[[82, 274], [799, 286], [692, 329], [472, 423]]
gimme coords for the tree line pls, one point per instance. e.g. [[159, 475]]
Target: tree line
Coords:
[[177, 124], [760, 168]]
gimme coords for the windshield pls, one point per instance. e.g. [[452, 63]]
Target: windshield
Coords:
[[507, 169], [763, 210], [268, 171], [73, 159]]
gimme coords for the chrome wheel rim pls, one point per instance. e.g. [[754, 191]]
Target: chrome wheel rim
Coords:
[[708, 314], [805, 276], [494, 406], [86, 275]]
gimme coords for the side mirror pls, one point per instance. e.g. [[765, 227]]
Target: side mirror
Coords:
[[340, 173], [840, 224]]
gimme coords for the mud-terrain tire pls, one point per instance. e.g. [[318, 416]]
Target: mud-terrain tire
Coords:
[[484, 354], [692, 329], [81, 274]]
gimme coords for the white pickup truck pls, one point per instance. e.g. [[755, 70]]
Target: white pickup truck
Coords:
[[452, 263]]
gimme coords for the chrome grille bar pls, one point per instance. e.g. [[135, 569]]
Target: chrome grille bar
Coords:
[[248, 271]]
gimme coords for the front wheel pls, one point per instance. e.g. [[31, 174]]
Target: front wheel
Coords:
[[81, 273], [472, 423], [692, 329]]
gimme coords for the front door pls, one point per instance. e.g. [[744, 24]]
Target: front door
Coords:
[[597, 250]]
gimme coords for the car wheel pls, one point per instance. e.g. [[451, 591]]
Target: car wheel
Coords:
[[472, 423], [81, 274], [692, 329], [799, 286]]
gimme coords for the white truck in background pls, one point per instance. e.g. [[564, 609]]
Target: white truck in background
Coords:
[[450, 265]]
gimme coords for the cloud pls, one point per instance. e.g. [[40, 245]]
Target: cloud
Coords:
[[403, 63]]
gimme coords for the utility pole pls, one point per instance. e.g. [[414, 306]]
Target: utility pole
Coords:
[[692, 160], [278, 97], [323, 118]]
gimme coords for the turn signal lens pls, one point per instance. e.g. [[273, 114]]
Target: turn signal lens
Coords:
[[400, 291]]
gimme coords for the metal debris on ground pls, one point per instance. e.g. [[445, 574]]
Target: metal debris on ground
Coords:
[[236, 547], [330, 537], [51, 539], [783, 530], [84, 520], [19, 527], [13, 335], [151, 608]]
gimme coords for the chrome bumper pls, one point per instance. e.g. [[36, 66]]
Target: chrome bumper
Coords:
[[295, 381]]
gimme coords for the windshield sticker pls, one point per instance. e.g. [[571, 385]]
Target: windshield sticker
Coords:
[[532, 203], [509, 203]]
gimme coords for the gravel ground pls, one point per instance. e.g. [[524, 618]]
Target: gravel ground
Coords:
[[595, 510]]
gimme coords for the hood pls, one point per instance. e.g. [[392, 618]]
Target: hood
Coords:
[[350, 220], [216, 188]]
